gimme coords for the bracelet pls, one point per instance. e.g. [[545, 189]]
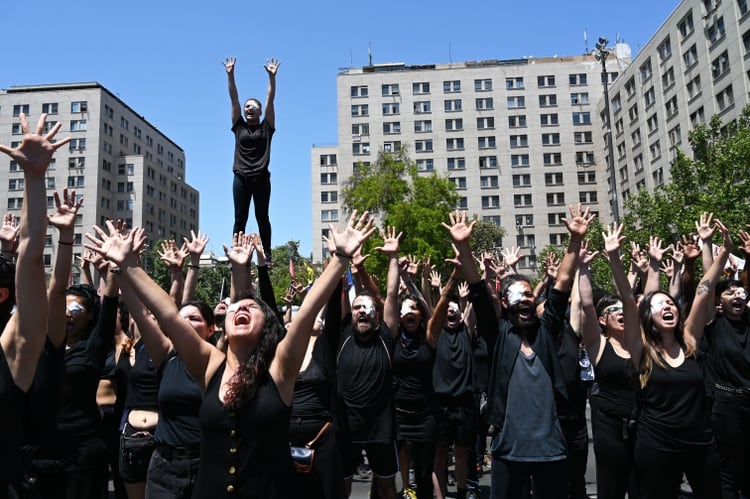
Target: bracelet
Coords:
[[65, 243], [342, 255], [191, 266]]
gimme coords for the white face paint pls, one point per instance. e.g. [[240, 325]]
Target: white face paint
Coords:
[[515, 293], [740, 293], [369, 308], [657, 304], [453, 307], [75, 308], [233, 307], [406, 308]]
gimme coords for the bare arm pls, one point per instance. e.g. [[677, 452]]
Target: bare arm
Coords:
[[157, 343], [271, 66], [240, 255], [229, 64], [577, 225], [194, 248], [390, 307]]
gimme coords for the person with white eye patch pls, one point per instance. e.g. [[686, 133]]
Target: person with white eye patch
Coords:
[[526, 382], [673, 433]]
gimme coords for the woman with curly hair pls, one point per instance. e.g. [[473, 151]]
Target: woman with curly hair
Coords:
[[247, 391], [674, 430]]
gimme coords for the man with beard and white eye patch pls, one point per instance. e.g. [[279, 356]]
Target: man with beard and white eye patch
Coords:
[[526, 381], [365, 380], [726, 337]]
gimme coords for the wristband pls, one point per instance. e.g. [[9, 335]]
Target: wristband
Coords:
[[343, 255], [65, 243], [191, 266]]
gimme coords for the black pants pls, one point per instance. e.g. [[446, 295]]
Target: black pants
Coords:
[[731, 423], [244, 189], [509, 479], [577, 441], [660, 473], [613, 446], [326, 480]]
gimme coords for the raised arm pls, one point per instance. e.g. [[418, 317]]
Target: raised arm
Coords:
[[173, 259], [655, 254], [24, 335], [391, 314], [194, 248], [291, 350], [583, 317], [240, 255], [706, 228], [64, 220], [9, 236], [271, 66], [265, 287], [157, 343], [229, 64], [577, 225]]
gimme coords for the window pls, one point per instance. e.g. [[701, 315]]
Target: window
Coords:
[[329, 197], [422, 87], [720, 65], [635, 137], [658, 176], [484, 103], [547, 100], [77, 144], [551, 139], [587, 197], [616, 104], [390, 146], [359, 129], [555, 198], [421, 107], [325, 160], [463, 203], [633, 112], [582, 137], [516, 102], [452, 105], [521, 200], [514, 83], [553, 178], [646, 70], [459, 182], [359, 91], [15, 203], [80, 107], [580, 98], [15, 184], [725, 98], [667, 79], [391, 108], [742, 5], [423, 145], [582, 118], [489, 202], [552, 158], [77, 162], [584, 158], [519, 141], [685, 26], [453, 124], [15, 129], [630, 87], [392, 127], [655, 150], [638, 163], [422, 126], [389, 89], [585, 178], [329, 215], [328, 178], [746, 41], [457, 164], [690, 56], [488, 182], [486, 142], [485, 123], [517, 160], [671, 107], [517, 121], [548, 119], [665, 49], [522, 180], [486, 162], [545, 81], [524, 220], [716, 31], [525, 240], [20, 108], [75, 181], [454, 144], [675, 137], [360, 110], [49, 108], [697, 117], [451, 86], [577, 79], [694, 87], [425, 165], [484, 85], [649, 96], [621, 149]]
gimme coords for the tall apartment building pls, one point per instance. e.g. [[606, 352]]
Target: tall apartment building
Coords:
[[121, 164], [516, 137], [695, 66]]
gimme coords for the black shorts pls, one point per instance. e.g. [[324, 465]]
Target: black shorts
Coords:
[[457, 424], [382, 458]]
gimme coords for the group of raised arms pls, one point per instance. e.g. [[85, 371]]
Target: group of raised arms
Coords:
[[115, 378]]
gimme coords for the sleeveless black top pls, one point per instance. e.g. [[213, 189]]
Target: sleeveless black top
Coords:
[[617, 384]]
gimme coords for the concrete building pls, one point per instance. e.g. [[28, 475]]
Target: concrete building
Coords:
[[121, 164], [695, 66], [518, 138]]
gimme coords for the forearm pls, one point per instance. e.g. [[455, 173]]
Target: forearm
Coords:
[[177, 285], [56, 299], [569, 263], [191, 280]]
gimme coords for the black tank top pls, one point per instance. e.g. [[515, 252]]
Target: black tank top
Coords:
[[143, 387], [616, 381], [412, 374]]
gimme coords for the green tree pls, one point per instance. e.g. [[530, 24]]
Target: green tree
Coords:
[[486, 236]]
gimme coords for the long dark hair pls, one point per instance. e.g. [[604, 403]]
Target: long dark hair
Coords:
[[241, 388], [652, 340], [422, 310]]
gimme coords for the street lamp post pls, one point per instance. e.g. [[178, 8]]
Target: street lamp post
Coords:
[[601, 53]]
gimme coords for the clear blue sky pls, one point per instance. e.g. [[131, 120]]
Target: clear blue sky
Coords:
[[163, 59]]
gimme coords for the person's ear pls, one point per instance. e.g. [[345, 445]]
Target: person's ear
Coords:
[[504, 302], [4, 294]]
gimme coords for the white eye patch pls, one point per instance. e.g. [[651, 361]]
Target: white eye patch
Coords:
[[369, 309], [515, 293], [453, 307], [233, 308], [406, 309], [740, 293], [75, 308], [657, 304]]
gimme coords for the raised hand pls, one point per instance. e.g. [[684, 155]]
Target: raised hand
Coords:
[[390, 241], [690, 248], [113, 244], [585, 255], [229, 64], [435, 279], [356, 232], [36, 150], [413, 268], [613, 239], [705, 226], [169, 254], [511, 256], [667, 266], [655, 249], [460, 232], [744, 238], [241, 252], [463, 290], [578, 223], [197, 243], [65, 210], [272, 66], [9, 233]]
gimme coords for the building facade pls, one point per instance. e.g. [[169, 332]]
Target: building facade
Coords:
[[122, 165], [696, 66], [518, 138]]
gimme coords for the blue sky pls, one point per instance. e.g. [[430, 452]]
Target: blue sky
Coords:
[[163, 59]]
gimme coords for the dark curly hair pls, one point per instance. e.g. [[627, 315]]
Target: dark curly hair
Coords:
[[254, 369]]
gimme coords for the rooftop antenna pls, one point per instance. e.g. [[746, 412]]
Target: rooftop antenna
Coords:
[[369, 53], [351, 58], [586, 41], [450, 55]]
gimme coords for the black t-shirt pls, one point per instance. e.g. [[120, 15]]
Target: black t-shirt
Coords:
[[730, 351], [12, 402], [365, 385], [453, 372], [412, 374], [179, 405], [252, 148], [40, 419]]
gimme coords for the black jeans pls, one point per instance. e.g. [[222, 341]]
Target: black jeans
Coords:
[[509, 479], [244, 189], [731, 422], [613, 446]]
